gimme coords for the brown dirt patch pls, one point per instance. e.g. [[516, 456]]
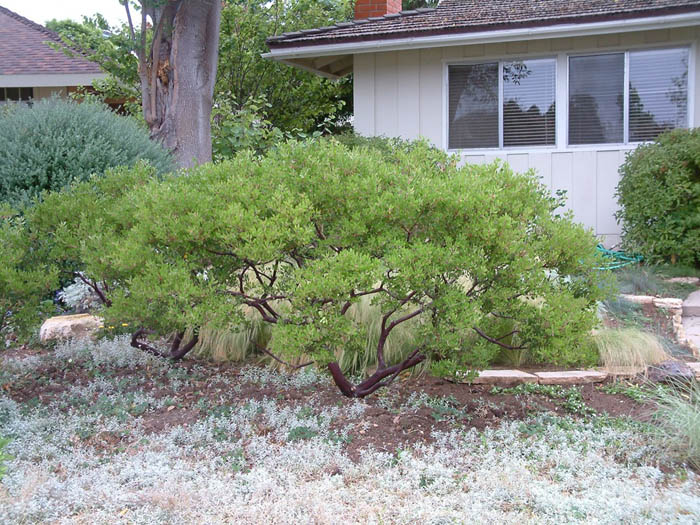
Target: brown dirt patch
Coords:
[[387, 424]]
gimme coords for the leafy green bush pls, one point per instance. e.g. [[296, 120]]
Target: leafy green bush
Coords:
[[54, 142], [300, 237], [387, 146], [25, 279], [659, 195]]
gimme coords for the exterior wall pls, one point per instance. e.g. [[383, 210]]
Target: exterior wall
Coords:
[[402, 93], [45, 92]]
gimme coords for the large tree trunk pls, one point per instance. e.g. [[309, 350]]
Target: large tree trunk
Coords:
[[178, 75]]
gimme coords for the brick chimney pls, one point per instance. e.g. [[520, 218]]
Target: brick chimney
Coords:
[[368, 8]]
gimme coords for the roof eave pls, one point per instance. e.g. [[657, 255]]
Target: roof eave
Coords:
[[49, 79], [289, 54]]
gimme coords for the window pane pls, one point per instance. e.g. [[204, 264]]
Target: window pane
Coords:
[[658, 96], [473, 106], [26, 93], [2, 94], [529, 103], [596, 99], [12, 93]]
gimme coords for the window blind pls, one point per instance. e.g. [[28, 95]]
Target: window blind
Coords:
[[658, 92], [473, 106], [596, 99], [529, 93]]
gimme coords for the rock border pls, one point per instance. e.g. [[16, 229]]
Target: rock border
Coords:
[[674, 307], [515, 377]]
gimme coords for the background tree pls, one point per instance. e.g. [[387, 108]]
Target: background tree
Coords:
[[297, 99], [111, 48], [177, 71]]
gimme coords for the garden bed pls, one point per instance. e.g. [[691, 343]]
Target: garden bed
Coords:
[[102, 433]]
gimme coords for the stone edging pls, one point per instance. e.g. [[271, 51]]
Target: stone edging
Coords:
[[566, 377], [675, 308]]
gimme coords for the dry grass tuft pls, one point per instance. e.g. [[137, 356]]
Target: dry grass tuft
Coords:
[[628, 350]]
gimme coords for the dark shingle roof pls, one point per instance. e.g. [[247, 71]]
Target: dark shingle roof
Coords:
[[463, 16], [23, 49]]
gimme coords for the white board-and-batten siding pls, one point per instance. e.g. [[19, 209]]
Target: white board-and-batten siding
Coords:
[[403, 94]]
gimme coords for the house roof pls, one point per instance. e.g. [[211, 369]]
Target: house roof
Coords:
[[464, 16], [24, 51]]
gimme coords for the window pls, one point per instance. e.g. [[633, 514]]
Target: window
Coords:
[[16, 94], [604, 109], [596, 99], [502, 104], [658, 92]]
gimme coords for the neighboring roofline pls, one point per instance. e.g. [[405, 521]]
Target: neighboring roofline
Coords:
[[55, 37], [465, 37], [50, 79]]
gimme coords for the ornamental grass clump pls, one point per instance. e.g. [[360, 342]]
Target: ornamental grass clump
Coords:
[[677, 417], [628, 350], [54, 142], [474, 259]]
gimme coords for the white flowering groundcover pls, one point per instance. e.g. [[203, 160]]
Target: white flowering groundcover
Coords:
[[87, 455]]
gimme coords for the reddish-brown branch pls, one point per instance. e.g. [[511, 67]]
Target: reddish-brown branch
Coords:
[[95, 288], [381, 378], [354, 295], [497, 342], [176, 353]]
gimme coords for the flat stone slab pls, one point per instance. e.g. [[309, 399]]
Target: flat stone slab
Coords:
[[504, 377], [64, 327], [684, 280], [638, 299], [668, 303], [571, 377], [692, 325]]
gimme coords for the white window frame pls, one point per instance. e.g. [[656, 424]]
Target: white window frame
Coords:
[[562, 98], [500, 61], [626, 91]]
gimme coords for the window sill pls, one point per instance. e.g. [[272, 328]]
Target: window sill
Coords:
[[540, 149]]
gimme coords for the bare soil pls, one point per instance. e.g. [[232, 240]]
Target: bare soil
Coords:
[[387, 424]]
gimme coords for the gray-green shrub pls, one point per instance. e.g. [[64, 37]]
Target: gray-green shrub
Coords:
[[659, 195], [54, 142]]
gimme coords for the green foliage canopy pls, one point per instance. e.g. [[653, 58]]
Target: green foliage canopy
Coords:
[[112, 49], [298, 100], [475, 254], [25, 279], [295, 100]]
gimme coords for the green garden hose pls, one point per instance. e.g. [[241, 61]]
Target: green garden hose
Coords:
[[616, 259]]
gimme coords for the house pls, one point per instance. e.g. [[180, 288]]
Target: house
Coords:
[[564, 87], [30, 68]]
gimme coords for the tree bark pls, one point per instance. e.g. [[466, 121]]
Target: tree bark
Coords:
[[178, 73]]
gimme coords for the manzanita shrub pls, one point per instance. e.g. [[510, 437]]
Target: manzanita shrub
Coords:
[[659, 195], [476, 257], [26, 279]]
